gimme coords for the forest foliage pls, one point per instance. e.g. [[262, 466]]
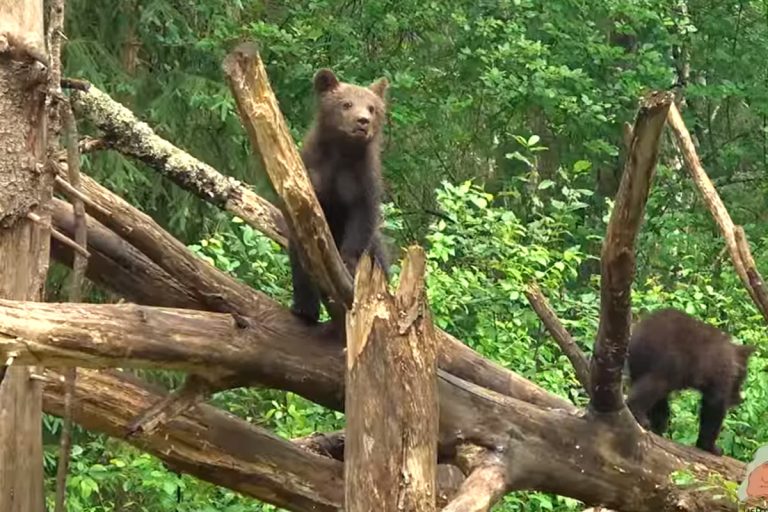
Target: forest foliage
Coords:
[[502, 154]]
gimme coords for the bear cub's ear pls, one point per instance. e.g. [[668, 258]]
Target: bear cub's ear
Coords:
[[379, 87], [325, 81]]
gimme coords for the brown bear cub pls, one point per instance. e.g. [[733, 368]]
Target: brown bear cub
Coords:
[[670, 350], [341, 152]]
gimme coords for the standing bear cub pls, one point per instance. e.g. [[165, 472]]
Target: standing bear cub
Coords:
[[670, 350], [341, 152]]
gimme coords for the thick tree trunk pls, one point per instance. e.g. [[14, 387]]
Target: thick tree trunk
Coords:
[[25, 187], [391, 393]]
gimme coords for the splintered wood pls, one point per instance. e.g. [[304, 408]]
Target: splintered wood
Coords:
[[391, 395]]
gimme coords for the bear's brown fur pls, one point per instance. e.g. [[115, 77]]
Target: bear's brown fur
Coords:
[[670, 350], [341, 152]]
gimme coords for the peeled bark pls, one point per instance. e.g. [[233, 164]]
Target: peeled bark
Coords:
[[391, 381], [24, 189]]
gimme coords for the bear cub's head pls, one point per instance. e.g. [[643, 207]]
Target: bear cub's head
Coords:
[[350, 112]]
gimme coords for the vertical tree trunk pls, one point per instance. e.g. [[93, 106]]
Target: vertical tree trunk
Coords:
[[390, 452], [24, 188]]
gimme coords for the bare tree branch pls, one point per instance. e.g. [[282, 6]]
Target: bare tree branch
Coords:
[[563, 338], [713, 201], [135, 138], [618, 255]]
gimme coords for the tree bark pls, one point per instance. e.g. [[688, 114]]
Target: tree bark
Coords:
[[617, 260], [391, 393], [25, 188], [205, 442], [132, 137]]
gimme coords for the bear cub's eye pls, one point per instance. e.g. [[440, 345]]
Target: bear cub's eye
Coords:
[[370, 109], [347, 105]]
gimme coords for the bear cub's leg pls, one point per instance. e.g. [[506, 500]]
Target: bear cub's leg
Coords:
[[306, 297]]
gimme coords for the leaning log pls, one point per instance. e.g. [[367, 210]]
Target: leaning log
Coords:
[[391, 392], [270, 138], [617, 261], [550, 450], [714, 203]]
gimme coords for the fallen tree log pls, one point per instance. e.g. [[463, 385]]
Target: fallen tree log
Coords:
[[205, 443], [552, 450]]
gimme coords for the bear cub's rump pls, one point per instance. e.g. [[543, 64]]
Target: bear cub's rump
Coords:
[[341, 152], [670, 350]]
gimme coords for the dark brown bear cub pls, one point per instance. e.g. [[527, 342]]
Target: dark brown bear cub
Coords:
[[341, 152], [670, 350]]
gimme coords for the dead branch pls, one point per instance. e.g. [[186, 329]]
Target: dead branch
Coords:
[[391, 379], [74, 194], [206, 443], [194, 390], [618, 255], [756, 281], [135, 138], [485, 485], [270, 138], [563, 338], [79, 265], [61, 237], [712, 200]]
